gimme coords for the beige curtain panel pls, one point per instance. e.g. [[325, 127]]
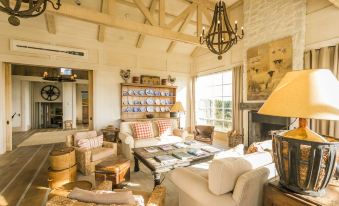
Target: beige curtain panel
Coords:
[[324, 58], [237, 85]]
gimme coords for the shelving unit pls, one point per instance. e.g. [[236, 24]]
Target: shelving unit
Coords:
[[128, 100]]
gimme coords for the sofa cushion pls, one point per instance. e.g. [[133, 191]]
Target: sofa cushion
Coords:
[[143, 130], [101, 153], [82, 135], [223, 173], [91, 142], [156, 141], [165, 127]]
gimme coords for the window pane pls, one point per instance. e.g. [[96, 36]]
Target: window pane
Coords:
[[214, 100], [227, 90]]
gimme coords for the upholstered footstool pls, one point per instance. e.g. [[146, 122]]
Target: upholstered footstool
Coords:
[[116, 170]]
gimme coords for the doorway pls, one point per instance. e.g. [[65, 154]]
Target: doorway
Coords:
[[39, 105]]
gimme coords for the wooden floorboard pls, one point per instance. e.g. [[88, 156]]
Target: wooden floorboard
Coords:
[[16, 190]]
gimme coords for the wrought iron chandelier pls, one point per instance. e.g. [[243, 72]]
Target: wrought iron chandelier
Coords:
[[25, 9], [221, 36], [65, 75]]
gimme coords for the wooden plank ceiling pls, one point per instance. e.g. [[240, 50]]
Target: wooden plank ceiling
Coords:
[[177, 24]]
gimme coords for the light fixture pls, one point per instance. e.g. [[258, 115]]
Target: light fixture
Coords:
[[25, 9], [176, 109], [65, 75], [304, 159], [221, 36]]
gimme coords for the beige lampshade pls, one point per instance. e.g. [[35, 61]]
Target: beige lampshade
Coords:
[[305, 94], [177, 107]]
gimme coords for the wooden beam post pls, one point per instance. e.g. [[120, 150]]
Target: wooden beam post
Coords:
[[106, 7], [141, 37], [181, 29], [199, 20], [181, 16], [96, 17], [50, 23], [162, 13], [146, 12]]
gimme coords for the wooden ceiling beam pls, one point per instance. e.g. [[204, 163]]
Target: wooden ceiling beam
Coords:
[[162, 14], [181, 16], [50, 23], [90, 15], [141, 37], [145, 11], [335, 2], [181, 29]]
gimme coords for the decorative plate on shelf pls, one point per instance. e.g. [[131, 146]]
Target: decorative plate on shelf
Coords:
[[143, 102], [163, 109], [171, 94], [157, 101], [150, 109], [136, 92], [136, 102], [167, 93], [142, 92], [130, 102], [162, 93], [157, 109], [130, 92], [125, 93], [125, 102], [168, 109], [143, 109], [149, 92], [149, 101], [136, 109], [163, 102], [129, 109], [157, 93]]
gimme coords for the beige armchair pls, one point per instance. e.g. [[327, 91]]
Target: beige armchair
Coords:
[[88, 158]]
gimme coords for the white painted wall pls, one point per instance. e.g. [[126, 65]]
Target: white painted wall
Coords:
[[69, 102], [26, 111], [2, 110]]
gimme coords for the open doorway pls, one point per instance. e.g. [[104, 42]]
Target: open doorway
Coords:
[[56, 103]]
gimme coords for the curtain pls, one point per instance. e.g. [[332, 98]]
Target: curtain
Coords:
[[237, 93], [193, 99], [327, 57]]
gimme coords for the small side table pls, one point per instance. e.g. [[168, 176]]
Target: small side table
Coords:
[[116, 170], [276, 195], [111, 134]]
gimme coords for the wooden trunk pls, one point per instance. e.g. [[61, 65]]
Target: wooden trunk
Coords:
[[62, 158], [61, 177], [117, 171]]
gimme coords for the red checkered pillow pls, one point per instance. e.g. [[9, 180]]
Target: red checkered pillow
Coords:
[[165, 127], [143, 130]]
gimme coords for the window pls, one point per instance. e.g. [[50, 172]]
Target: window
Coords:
[[214, 100]]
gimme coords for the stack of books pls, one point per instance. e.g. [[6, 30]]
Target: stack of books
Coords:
[[182, 155], [196, 152], [180, 145], [166, 147], [151, 149], [210, 149], [166, 159]]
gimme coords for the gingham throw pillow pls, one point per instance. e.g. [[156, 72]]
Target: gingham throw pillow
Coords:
[[91, 142], [143, 130], [165, 127]]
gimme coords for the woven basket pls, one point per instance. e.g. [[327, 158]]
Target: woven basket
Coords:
[[304, 167]]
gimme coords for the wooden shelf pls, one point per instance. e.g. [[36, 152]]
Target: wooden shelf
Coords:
[[147, 85], [142, 115], [148, 96]]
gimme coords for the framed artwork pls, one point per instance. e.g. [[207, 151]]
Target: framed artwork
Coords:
[[151, 80], [266, 65]]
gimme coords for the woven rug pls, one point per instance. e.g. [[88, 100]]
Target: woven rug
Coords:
[[40, 138]]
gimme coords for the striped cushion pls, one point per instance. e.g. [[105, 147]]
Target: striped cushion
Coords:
[[91, 142], [165, 127], [143, 130]]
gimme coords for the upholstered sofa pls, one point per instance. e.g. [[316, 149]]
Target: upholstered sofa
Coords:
[[60, 198], [87, 158], [129, 142], [236, 180]]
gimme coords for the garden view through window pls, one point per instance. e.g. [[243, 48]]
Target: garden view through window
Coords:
[[214, 100]]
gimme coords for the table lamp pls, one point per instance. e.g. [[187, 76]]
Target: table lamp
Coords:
[[177, 109], [304, 159]]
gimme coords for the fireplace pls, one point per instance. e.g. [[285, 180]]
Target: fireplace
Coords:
[[259, 126]]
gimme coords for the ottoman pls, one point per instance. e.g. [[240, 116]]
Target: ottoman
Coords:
[[116, 170]]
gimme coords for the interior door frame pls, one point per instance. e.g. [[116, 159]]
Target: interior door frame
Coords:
[[8, 105]]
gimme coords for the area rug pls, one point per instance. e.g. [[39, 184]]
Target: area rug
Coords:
[[40, 138]]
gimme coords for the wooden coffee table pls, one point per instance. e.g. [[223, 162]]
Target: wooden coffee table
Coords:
[[147, 158]]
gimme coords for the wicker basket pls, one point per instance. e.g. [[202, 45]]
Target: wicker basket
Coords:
[[303, 166], [235, 139]]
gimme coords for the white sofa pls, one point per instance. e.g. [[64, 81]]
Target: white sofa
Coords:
[[128, 142], [236, 180]]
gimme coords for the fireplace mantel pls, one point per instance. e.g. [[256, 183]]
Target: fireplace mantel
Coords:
[[251, 105]]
